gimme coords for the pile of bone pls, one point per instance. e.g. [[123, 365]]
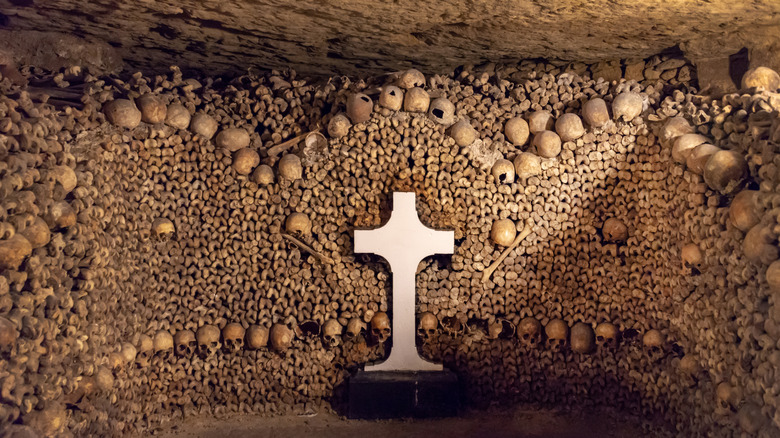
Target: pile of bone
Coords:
[[117, 298]]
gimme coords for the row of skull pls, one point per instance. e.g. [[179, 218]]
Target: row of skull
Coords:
[[208, 340], [556, 334]]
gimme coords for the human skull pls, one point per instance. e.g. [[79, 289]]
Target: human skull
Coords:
[[416, 100], [208, 340], [33, 228], [689, 365], [627, 106], [726, 171], [557, 332], [684, 145], [503, 232], [339, 126], [760, 244], [761, 78], [65, 176], [178, 116], [122, 113], [699, 156], [411, 78], [184, 343], [331, 333], [61, 215], [245, 160], [290, 167], [298, 224], [653, 341], [162, 229], [744, 212], [115, 360], [391, 97], [104, 379], [163, 344], [595, 113], [614, 230], [692, 259], [582, 338], [727, 396], [13, 251], [256, 337], [49, 421], [145, 350], [129, 352], [153, 109], [355, 328], [547, 144], [569, 127], [233, 139], [359, 107], [539, 121], [516, 131], [204, 125], [380, 327], [530, 332], [673, 128], [503, 172], [606, 335], [263, 175], [427, 327], [281, 337], [442, 111], [527, 164], [463, 133], [233, 337], [315, 148]]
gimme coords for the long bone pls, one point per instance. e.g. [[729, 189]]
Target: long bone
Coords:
[[489, 270]]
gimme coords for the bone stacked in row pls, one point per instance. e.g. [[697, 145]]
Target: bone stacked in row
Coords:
[[179, 246]]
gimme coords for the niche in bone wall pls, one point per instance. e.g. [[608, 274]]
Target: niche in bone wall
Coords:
[[177, 246]]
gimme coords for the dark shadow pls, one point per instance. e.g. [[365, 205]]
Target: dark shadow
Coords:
[[738, 65]]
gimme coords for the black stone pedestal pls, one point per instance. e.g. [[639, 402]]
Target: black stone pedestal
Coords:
[[397, 394]]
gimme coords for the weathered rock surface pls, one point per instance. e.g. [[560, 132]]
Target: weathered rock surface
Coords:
[[360, 36]]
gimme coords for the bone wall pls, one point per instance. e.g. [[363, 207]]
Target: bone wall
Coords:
[[143, 230]]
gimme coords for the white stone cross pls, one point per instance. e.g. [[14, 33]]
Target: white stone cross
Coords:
[[404, 242]]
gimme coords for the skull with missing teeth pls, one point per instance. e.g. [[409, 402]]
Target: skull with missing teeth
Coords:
[[606, 335], [208, 340], [163, 344], [233, 337], [557, 332], [380, 327], [355, 329], [530, 332], [428, 326], [331, 333], [185, 343], [144, 351]]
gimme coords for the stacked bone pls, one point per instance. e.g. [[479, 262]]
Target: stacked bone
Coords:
[[729, 259], [208, 264]]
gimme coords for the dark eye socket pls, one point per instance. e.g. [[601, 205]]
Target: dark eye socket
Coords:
[[365, 99]]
